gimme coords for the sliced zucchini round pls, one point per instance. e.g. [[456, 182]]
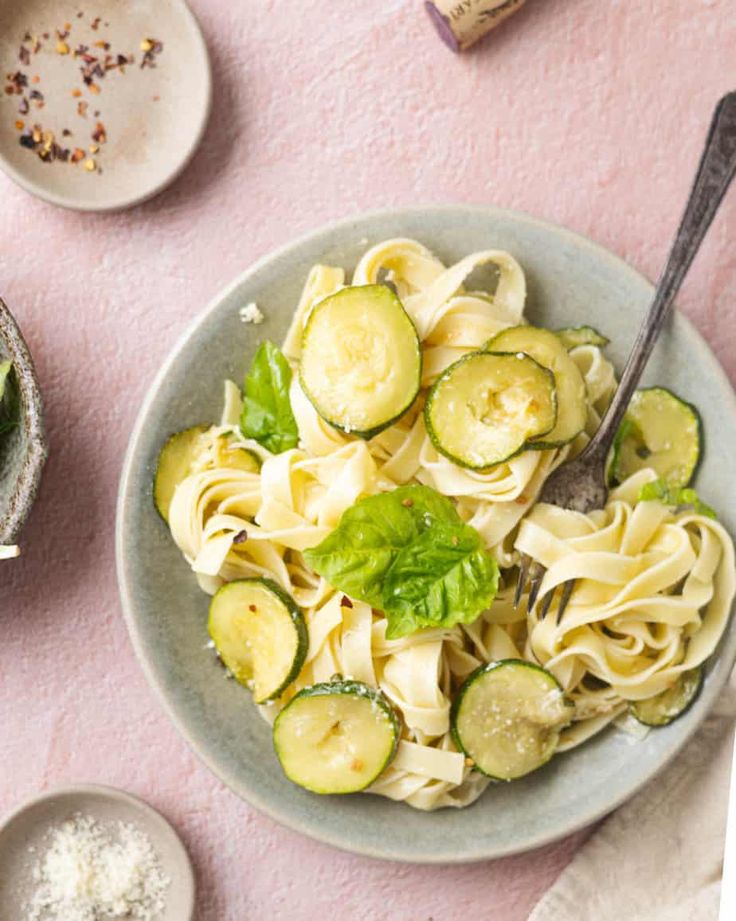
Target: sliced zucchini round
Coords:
[[547, 349], [665, 707], [260, 635], [659, 431], [336, 737], [174, 465], [194, 449], [485, 407], [573, 336], [507, 718], [361, 362]]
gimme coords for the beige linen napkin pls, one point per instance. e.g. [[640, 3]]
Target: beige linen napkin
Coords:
[[660, 856]]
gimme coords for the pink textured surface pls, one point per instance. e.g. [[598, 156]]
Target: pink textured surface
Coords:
[[588, 113]]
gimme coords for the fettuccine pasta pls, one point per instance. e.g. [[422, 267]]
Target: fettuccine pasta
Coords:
[[654, 584]]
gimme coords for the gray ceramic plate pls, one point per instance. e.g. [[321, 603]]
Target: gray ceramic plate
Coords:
[[571, 281]]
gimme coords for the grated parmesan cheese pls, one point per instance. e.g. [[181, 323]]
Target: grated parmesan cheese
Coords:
[[251, 313], [96, 872]]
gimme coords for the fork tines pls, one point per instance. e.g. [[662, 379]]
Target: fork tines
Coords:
[[533, 572]]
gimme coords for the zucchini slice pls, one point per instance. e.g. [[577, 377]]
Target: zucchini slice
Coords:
[[665, 707], [174, 465], [508, 716], [485, 407], [336, 737], [259, 634], [194, 449], [573, 336], [659, 431], [361, 362], [547, 349]]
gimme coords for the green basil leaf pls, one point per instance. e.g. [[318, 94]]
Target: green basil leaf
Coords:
[[267, 416], [444, 577], [357, 555], [679, 497], [409, 554]]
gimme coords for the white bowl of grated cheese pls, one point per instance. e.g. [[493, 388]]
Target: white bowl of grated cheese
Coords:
[[87, 853]]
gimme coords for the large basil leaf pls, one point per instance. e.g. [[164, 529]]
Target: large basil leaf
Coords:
[[409, 554], [267, 416]]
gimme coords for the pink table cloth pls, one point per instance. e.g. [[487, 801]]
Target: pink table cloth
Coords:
[[590, 113]]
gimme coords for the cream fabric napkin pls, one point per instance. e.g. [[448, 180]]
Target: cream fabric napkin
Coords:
[[660, 856]]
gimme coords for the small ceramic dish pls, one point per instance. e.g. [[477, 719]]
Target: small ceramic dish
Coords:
[[23, 450], [571, 282], [122, 130], [24, 836]]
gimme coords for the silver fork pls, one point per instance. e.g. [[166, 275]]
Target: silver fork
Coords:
[[580, 484]]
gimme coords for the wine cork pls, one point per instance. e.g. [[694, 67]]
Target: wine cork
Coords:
[[461, 23]]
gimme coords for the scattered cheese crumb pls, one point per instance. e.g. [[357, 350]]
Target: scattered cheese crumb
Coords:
[[251, 314], [96, 872], [9, 551]]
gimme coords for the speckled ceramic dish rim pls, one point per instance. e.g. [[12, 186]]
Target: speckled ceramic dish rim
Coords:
[[583, 817], [26, 485]]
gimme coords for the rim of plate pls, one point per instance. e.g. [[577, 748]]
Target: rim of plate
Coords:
[[251, 795]]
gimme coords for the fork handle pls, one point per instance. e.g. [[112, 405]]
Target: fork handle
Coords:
[[715, 172]]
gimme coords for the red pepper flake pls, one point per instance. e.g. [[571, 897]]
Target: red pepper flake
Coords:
[[17, 82], [94, 88], [253, 608], [44, 144], [151, 48], [35, 79], [407, 503], [66, 133], [19, 125], [99, 135], [242, 536], [76, 93], [78, 155], [24, 56], [96, 23], [345, 602], [104, 45]]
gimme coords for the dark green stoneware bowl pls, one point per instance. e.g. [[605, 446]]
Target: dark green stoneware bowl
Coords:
[[22, 450]]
